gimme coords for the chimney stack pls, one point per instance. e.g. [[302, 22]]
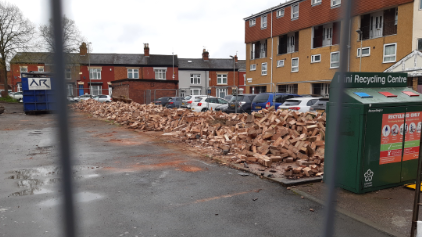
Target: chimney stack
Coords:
[[205, 55], [83, 50], [146, 50]]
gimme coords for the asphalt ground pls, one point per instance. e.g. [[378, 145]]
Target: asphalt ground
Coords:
[[131, 184]]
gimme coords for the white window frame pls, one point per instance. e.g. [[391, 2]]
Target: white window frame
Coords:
[[192, 91], [280, 63], [195, 79], [68, 73], [98, 88], [19, 86], [295, 15], [335, 3], [252, 22], [40, 68], [396, 16], [220, 79], [160, 73], [219, 90], [364, 55], [23, 67], [252, 67], [315, 2], [264, 72], [395, 54], [294, 67], [95, 73], [131, 72], [331, 59], [280, 13], [313, 60], [264, 21], [69, 90]]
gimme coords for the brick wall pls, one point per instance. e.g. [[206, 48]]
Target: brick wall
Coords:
[[311, 16], [138, 89]]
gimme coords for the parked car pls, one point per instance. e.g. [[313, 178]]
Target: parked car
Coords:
[[320, 106], [72, 99], [222, 108], [174, 102], [299, 104], [243, 103], [83, 97], [311, 95], [102, 98], [265, 100], [188, 100], [17, 95], [228, 97], [162, 101], [203, 104]]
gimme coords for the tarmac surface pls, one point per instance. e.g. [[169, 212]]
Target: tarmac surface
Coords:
[[130, 184]]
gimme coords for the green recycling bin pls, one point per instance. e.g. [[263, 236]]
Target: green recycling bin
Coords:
[[380, 131]]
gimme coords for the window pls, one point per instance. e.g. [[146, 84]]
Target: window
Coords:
[[290, 44], [19, 87], [221, 92], [253, 51], [221, 79], [316, 58], [365, 52], [280, 63], [420, 43], [95, 73], [379, 24], [252, 67], [396, 16], [311, 102], [389, 53], [195, 79], [252, 22], [420, 4], [326, 35], [96, 90], [263, 50], [133, 73], [264, 69], [195, 91], [41, 68], [68, 73], [289, 88], [69, 90], [335, 3], [263, 22], [295, 64], [295, 11], [280, 13], [23, 69], [160, 73], [315, 2], [335, 60], [321, 89]]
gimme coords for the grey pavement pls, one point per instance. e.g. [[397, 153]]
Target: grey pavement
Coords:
[[129, 184]]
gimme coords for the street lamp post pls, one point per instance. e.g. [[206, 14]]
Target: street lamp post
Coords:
[[359, 31], [89, 69], [234, 82]]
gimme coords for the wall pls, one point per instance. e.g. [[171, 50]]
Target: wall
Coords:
[[230, 81], [417, 26], [184, 81], [107, 76]]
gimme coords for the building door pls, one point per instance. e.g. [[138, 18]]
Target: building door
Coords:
[[81, 89], [376, 24], [327, 35]]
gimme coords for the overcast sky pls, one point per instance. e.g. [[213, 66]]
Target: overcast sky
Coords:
[[184, 27]]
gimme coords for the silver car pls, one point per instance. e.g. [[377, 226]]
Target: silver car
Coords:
[[187, 101], [102, 98]]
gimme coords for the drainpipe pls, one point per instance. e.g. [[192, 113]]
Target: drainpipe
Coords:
[[272, 44]]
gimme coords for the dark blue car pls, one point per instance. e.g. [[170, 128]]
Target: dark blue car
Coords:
[[265, 100]]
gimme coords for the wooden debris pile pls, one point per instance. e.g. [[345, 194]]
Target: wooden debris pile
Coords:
[[266, 137]]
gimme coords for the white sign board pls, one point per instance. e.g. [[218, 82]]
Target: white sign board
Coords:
[[39, 84]]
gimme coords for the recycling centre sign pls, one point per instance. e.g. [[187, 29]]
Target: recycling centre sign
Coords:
[[39, 84]]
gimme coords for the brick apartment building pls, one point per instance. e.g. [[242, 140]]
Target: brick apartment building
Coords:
[[294, 47], [94, 73], [198, 75]]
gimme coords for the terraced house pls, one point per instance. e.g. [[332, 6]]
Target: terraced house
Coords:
[[294, 47]]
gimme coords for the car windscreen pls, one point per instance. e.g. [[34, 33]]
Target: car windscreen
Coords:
[[261, 98], [291, 102], [239, 98]]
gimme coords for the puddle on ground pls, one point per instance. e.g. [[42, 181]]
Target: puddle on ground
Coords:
[[80, 197], [125, 142], [40, 180]]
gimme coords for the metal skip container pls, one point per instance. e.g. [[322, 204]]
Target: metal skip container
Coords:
[[37, 92], [380, 131]]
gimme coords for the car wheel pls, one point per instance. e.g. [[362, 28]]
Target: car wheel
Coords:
[[204, 110]]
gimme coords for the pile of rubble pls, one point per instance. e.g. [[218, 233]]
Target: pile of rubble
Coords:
[[267, 137]]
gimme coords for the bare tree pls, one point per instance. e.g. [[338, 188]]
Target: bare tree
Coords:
[[72, 38], [16, 34]]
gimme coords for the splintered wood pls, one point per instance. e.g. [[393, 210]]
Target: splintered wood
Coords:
[[267, 137]]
